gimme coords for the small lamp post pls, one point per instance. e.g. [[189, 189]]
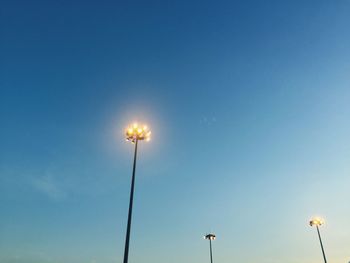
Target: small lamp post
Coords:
[[318, 222], [210, 237]]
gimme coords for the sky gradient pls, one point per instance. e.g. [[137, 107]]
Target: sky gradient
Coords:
[[248, 103]]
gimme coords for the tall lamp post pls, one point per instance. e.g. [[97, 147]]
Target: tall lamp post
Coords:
[[210, 237], [134, 134], [318, 222]]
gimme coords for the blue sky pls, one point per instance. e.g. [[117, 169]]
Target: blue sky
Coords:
[[248, 102]]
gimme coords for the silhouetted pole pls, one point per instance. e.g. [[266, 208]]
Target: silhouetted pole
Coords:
[[318, 222], [211, 252], [127, 239], [210, 237], [319, 237], [134, 133]]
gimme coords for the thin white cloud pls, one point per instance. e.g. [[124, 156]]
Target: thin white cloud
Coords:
[[50, 187], [207, 120]]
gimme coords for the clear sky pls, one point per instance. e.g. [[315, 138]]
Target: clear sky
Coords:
[[249, 105]]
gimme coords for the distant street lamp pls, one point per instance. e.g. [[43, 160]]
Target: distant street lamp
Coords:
[[318, 222], [134, 134], [210, 237]]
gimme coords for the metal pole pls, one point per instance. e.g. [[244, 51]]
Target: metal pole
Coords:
[[126, 251], [211, 253], [319, 236]]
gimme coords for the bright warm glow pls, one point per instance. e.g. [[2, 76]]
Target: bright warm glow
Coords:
[[135, 133], [316, 221]]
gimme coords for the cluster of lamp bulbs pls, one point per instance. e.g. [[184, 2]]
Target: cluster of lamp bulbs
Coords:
[[136, 132], [210, 236], [316, 221]]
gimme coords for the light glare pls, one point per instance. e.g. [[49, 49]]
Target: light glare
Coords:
[[136, 133], [316, 221]]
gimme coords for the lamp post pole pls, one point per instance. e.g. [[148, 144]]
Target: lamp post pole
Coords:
[[134, 134], [210, 237], [211, 252], [319, 237], [127, 238], [318, 222]]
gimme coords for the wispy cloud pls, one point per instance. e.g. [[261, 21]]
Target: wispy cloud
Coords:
[[207, 120], [48, 185]]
